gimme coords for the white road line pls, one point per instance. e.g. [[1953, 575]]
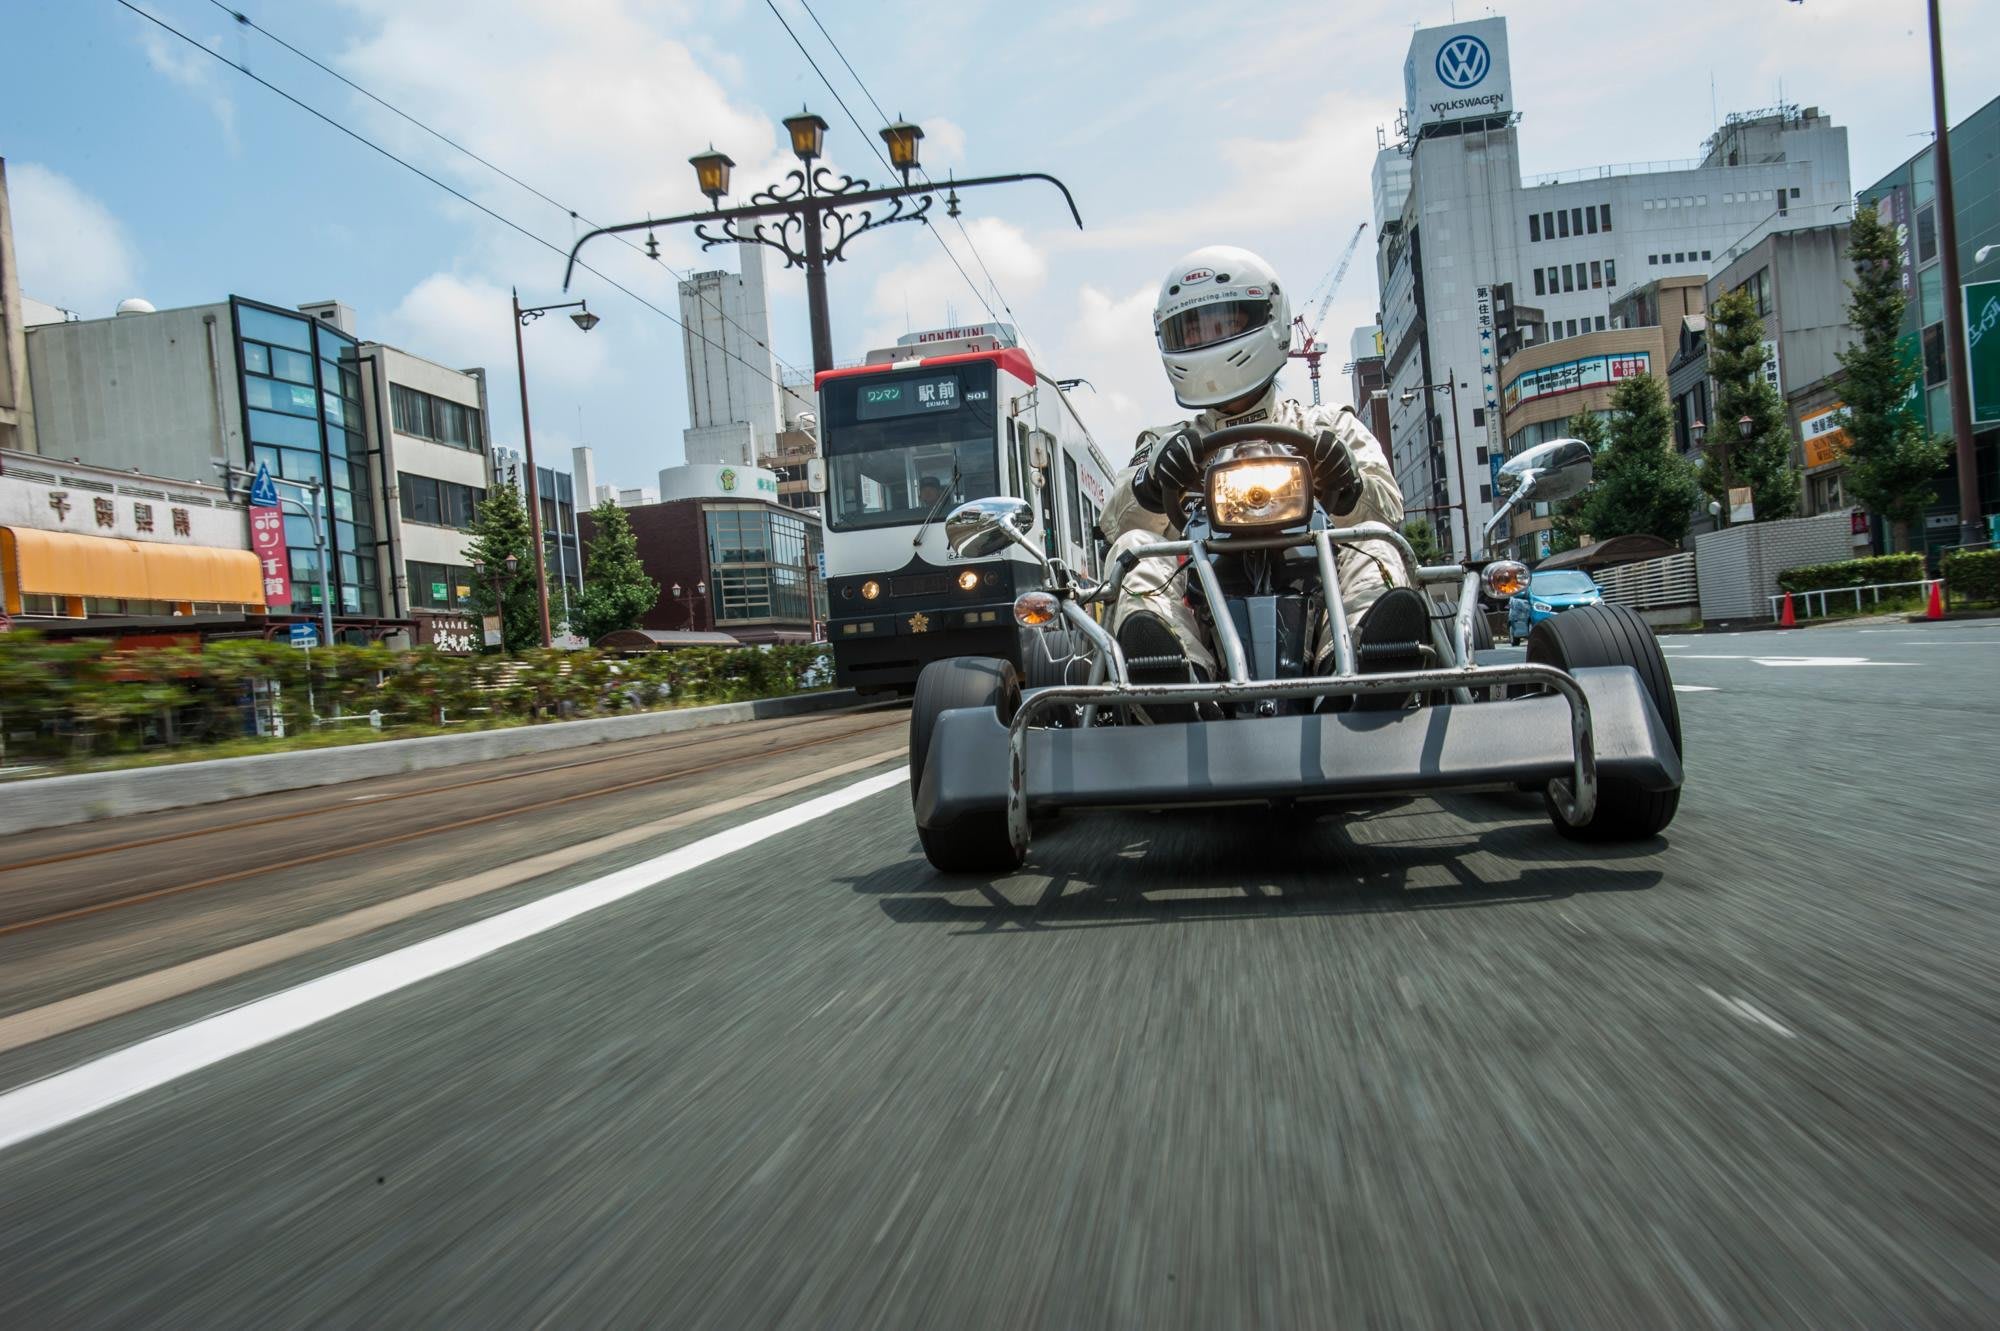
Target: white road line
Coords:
[[1749, 1012], [1824, 661], [56, 1101], [1694, 688]]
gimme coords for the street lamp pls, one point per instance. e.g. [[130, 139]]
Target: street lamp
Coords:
[[1450, 389], [585, 320], [1983, 253], [700, 592], [498, 583], [810, 217]]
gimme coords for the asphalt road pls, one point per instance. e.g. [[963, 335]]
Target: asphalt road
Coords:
[[754, 1064]]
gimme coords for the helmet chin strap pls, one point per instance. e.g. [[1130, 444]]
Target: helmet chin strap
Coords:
[[1248, 402]]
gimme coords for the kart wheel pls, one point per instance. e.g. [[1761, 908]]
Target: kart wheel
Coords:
[[980, 843], [1053, 657], [1607, 635]]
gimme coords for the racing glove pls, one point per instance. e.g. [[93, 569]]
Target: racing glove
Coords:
[[1336, 480], [1171, 468]]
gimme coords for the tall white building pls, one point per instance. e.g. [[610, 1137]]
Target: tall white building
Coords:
[[1476, 262], [733, 416]]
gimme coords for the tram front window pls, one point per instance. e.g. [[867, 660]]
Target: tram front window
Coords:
[[902, 446]]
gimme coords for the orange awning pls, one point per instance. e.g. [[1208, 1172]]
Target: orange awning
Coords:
[[57, 563]]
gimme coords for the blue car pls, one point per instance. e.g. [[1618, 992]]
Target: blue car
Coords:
[[1549, 594]]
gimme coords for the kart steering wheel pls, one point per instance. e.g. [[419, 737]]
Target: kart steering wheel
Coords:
[[1266, 432]]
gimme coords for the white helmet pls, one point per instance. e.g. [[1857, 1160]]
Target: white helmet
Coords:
[[1223, 326]]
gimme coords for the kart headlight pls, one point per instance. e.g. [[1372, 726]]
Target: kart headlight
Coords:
[[1259, 492], [1504, 578]]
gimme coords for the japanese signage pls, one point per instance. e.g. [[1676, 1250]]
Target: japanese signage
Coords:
[[1824, 432], [1570, 376], [1982, 349], [1000, 333], [452, 634], [930, 392], [1893, 209], [1771, 368], [1489, 393], [267, 539]]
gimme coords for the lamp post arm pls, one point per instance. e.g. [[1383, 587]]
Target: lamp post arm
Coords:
[[828, 201]]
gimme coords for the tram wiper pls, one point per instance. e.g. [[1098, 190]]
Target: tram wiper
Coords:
[[930, 517]]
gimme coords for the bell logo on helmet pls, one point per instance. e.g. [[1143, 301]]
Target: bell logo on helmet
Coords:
[[1198, 275]]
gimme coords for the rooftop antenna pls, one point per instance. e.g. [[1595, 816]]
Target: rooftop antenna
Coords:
[[1714, 108]]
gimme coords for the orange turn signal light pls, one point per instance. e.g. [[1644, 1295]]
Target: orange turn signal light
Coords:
[[1504, 578], [1035, 609]]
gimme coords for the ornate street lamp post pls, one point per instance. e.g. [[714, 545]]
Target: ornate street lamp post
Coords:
[[585, 320], [814, 212]]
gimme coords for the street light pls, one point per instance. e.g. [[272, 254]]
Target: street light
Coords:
[[498, 583], [1983, 253], [700, 592], [811, 216], [1450, 388], [585, 320]]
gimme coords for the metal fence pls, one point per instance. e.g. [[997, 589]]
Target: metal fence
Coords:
[[1652, 584]]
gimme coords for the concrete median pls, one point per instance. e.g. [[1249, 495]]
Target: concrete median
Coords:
[[57, 801]]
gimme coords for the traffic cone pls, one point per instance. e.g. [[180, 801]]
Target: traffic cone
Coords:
[[1935, 610], [1786, 619]]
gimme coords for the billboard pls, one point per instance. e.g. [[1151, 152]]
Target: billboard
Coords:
[[1982, 349], [1457, 72], [1573, 375], [1824, 433]]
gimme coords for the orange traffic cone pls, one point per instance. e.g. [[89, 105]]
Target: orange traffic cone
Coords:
[[1935, 610], [1786, 619]]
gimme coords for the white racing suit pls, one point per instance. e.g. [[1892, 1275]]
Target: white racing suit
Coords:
[[1367, 568]]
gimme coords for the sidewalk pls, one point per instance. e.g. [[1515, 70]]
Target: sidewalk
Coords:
[[56, 801]]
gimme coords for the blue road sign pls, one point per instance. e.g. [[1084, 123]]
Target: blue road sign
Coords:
[[305, 635], [263, 491], [822, 565]]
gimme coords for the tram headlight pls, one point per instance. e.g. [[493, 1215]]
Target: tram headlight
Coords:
[[1259, 492], [968, 580], [870, 590]]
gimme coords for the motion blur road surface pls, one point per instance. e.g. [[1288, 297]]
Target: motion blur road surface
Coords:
[[1429, 1065]]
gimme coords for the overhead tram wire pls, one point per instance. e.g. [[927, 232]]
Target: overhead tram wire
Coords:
[[860, 83], [246, 21], [870, 140], [460, 195]]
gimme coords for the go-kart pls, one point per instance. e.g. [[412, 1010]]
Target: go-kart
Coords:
[[1589, 718]]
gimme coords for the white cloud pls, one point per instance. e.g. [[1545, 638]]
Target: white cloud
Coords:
[[199, 74], [71, 250], [467, 322], [932, 292], [1109, 342]]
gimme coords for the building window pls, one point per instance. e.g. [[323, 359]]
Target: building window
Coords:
[[1554, 281], [1479, 423], [1569, 277], [1572, 329], [434, 418], [1576, 220], [1934, 355], [1600, 323], [1548, 226], [1485, 494], [1604, 216], [759, 560], [1541, 284], [1927, 234], [1795, 191], [1534, 227], [1590, 220], [1652, 258], [1596, 273], [439, 586], [1611, 272], [1783, 207], [440, 503], [1562, 221]]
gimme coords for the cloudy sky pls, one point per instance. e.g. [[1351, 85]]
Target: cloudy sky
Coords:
[[140, 165]]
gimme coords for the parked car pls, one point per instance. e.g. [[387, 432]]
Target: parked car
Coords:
[[1549, 594]]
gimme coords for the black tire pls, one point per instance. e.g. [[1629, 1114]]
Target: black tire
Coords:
[[974, 844], [1051, 658], [1606, 635], [1482, 632]]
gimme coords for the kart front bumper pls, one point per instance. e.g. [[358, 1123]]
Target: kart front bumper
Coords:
[[1354, 755]]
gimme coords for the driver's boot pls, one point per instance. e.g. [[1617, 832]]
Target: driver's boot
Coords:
[[1154, 655], [1390, 637]]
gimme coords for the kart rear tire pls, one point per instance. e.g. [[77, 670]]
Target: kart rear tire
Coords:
[[1609, 635], [980, 843], [1051, 658]]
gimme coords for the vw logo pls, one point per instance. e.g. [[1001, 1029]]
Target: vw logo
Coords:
[[1463, 61]]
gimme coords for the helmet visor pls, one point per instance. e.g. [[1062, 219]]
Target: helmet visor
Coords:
[[1208, 325]]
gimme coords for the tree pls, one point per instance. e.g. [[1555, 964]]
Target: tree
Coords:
[[1423, 540], [1567, 528], [1641, 484], [499, 530], [616, 590], [1892, 460], [1763, 461]]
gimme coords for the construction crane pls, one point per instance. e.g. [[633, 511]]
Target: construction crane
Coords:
[[1306, 345]]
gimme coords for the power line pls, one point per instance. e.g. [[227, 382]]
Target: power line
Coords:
[[869, 139], [969, 244], [462, 197], [248, 22]]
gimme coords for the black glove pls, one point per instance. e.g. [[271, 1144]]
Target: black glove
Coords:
[[1336, 480], [1171, 468]]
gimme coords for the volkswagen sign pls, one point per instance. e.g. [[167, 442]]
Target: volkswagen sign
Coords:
[[1463, 61], [1457, 72]]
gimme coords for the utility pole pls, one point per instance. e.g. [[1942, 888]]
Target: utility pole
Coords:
[[585, 320], [1971, 527]]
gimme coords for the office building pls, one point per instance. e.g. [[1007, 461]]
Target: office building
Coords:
[[17, 409], [562, 546], [1477, 262], [732, 388], [1365, 376], [1907, 196]]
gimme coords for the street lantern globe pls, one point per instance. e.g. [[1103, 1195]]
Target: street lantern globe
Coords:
[[584, 319], [677, 591], [1697, 429], [701, 589], [513, 564], [711, 173], [902, 140], [808, 133], [478, 568], [1743, 424]]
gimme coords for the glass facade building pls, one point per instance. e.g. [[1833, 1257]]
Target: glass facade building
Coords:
[[759, 561], [301, 388]]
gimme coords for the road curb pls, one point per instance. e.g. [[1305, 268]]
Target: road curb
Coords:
[[58, 801]]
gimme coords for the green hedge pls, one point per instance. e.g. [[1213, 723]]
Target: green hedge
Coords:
[[80, 698], [1973, 575], [1852, 573]]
